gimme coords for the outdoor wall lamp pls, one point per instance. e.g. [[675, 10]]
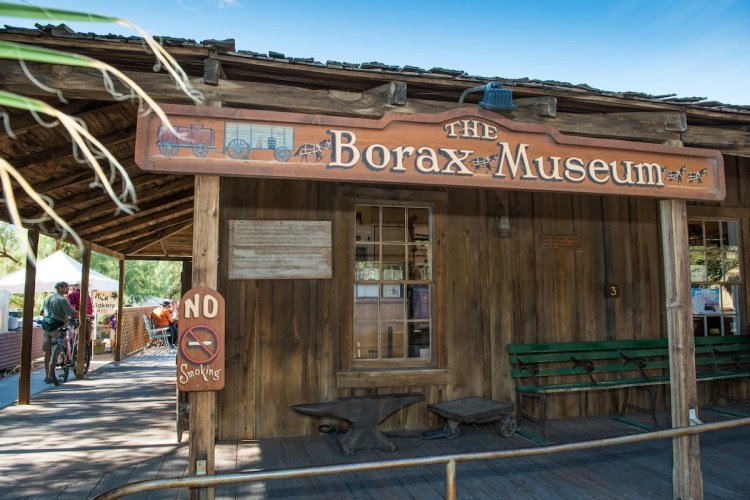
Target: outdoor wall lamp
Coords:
[[495, 97], [501, 223]]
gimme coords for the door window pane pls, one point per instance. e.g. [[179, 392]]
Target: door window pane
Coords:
[[715, 257], [365, 340]]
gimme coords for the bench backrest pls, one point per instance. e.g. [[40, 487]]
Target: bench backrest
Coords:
[[731, 352], [581, 358], [617, 357]]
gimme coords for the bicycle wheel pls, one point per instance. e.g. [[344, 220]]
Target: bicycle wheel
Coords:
[[87, 359], [60, 364]]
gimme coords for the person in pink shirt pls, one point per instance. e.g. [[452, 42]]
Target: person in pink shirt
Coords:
[[74, 297]]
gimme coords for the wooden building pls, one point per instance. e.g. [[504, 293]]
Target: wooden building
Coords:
[[428, 283]]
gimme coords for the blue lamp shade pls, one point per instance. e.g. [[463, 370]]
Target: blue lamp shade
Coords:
[[495, 97]]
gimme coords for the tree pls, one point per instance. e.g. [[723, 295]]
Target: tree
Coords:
[[152, 279], [11, 255]]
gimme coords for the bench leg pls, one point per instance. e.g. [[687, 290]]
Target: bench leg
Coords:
[[519, 407], [652, 409], [543, 415], [725, 392], [652, 393]]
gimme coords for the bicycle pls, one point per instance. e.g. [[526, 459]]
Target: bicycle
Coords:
[[65, 353]]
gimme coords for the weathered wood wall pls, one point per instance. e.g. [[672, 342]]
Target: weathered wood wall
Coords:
[[545, 283]]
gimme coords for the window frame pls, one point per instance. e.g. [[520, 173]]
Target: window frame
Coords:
[[348, 198], [703, 216]]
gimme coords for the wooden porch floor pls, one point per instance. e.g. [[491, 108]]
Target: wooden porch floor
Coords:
[[90, 436], [634, 471]]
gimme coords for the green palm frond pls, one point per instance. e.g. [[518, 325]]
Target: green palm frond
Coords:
[[17, 51], [11, 100], [32, 12]]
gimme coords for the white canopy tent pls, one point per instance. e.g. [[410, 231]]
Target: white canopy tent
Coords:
[[50, 270]]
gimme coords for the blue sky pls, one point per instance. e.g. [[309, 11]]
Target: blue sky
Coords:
[[690, 48]]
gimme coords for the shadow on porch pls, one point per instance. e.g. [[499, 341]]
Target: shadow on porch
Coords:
[[117, 426], [627, 471]]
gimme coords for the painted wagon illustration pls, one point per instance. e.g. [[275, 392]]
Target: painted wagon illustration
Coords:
[[241, 138], [195, 137]]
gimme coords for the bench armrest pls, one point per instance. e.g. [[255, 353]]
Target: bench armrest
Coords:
[[587, 365], [534, 367], [639, 362]]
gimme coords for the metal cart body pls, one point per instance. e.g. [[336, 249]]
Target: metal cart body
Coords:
[[473, 410]]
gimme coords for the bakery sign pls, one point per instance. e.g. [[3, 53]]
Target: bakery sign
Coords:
[[463, 148]]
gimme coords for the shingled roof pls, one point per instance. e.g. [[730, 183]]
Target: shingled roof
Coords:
[[227, 46], [162, 228]]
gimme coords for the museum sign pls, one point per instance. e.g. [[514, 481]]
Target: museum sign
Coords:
[[461, 148]]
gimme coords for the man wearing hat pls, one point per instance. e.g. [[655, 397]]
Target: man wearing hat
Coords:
[[56, 311], [162, 317]]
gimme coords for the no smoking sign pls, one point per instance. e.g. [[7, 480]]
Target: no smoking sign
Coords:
[[200, 358]]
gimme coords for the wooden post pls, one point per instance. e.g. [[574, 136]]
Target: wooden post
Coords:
[[687, 478], [82, 316], [186, 278], [24, 379], [117, 347], [205, 273]]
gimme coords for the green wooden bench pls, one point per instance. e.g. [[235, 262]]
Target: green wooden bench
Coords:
[[567, 367]]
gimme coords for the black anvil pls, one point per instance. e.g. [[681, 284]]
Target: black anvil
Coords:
[[364, 414]]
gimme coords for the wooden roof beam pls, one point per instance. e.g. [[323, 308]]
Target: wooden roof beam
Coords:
[[166, 222], [24, 122], [212, 71], [154, 256], [174, 194], [67, 180], [82, 83], [656, 122], [163, 245], [392, 94], [137, 224], [65, 152], [735, 142], [93, 201], [645, 126], [149, 240]]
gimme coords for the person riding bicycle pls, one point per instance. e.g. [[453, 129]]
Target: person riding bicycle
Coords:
[[56, 311]]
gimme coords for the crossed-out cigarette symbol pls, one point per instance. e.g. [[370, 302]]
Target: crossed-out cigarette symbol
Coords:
[[199, 344]]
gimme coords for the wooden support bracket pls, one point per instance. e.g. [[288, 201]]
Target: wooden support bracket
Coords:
[[213, 71]]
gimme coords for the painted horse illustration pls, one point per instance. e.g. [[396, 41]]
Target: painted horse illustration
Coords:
[[697, 176], [307, 149], [484, 162], [676, 175]]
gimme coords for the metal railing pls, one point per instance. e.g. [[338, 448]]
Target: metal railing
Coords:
[[449, 460]]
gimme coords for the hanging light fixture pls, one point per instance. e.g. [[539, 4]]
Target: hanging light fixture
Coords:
[[495, 97]]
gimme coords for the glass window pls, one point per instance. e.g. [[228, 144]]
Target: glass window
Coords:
[[716, 276], [393, 284]]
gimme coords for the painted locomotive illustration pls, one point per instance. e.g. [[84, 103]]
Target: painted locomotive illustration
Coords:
[[240, 140]]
